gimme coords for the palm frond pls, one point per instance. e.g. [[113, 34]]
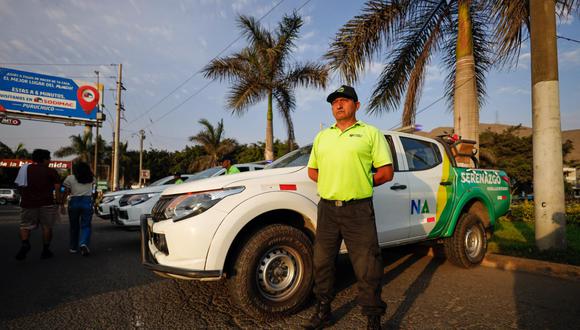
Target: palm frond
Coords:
[[361, 38], [244, 94], [512, 22], [306, 75], [419, 39], [285, 103], [258, 37]]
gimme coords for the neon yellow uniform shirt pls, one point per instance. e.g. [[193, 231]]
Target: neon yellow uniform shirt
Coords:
[[232, 170], [344, 160]]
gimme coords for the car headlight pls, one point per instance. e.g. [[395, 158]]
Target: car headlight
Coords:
[[107, 199], [136, 199], [188, 205]]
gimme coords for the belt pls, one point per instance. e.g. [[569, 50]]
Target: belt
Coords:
[[345, 203]]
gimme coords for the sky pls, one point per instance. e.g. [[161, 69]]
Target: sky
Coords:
[[163, 45]]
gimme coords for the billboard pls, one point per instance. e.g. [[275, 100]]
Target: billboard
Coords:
[[41, 95]]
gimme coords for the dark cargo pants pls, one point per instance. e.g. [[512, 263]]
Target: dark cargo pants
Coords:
[[355, 223]]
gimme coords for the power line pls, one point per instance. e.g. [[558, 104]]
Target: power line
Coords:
[[206, 85], [199, 71], [58, 64], [569, 39]]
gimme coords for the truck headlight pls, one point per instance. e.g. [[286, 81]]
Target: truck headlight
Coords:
[[190, 204]]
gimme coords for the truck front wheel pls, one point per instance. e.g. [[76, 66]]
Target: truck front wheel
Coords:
[[468, 245], [273, 273]]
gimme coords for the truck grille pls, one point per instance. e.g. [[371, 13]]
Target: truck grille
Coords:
[[157, 212]]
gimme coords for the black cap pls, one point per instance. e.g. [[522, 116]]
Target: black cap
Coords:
[[343, 91]]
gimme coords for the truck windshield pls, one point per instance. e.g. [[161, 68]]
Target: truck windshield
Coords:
[[298, 157]]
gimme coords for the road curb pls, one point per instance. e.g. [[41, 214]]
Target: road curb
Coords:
[[531, 266]]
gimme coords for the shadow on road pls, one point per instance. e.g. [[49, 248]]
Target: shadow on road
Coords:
[[35, 285], [403, 257]]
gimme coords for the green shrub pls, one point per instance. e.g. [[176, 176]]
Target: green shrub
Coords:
[[524, 211]]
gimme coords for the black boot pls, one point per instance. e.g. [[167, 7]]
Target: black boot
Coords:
[[374, 322], [321, 318], [21, 255]]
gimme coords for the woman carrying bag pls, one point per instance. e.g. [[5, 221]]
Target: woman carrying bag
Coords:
[[80, 207]]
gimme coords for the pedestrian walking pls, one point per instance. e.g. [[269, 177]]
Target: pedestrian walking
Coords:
[[177, 177], [341, 163], [79, 186], [38, 203]]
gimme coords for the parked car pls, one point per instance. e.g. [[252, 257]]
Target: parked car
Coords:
[[257, 229], [111, 199], [9, 195], [136, 202]]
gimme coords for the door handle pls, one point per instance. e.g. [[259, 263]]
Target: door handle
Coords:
[[445, 183], [398, 187]]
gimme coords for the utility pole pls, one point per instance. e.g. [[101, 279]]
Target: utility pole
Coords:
[[549, 208], [117, 131], [141, 138], [97, 128]]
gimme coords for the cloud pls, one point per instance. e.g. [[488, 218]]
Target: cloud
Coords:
[[239, 5], [512, 90], [55, 14], [434, 74], [524, 61], [155, 31], [569, 57], [375, 68]]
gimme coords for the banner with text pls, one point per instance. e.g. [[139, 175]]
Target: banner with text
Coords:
[[39, 94], [16, 163]]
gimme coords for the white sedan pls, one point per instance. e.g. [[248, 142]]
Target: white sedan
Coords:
[[135, 203], [111, 199]]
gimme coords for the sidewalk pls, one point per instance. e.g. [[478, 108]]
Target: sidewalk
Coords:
[[531, 266]]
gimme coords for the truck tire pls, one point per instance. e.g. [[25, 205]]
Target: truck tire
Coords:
[[3, 201], [272, 275], [468, 245]]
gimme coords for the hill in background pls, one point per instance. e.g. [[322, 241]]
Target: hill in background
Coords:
[[572, 135]]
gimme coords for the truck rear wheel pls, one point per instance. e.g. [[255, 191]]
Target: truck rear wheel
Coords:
[[273, 272], [468, 245]]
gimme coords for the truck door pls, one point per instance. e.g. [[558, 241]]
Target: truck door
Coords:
[[425, 167], [391, 200]]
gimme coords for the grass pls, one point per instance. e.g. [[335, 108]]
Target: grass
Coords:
[[517, 238]]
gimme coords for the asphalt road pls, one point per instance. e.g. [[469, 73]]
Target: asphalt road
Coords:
[[110, 289]]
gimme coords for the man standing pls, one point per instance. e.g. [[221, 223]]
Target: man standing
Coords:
[[38, 205], [341, 163], [227, 163]]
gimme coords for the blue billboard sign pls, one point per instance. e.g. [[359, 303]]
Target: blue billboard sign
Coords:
[[38, 94]]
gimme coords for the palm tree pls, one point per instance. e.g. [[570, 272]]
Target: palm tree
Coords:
[[212, 140], [21, 152], [81, 146], [415, 31], [261, 71]]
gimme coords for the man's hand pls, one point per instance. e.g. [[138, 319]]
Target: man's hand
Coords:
[[384, 174], [313, 174]]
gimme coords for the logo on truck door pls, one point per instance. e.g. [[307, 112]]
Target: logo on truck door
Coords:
[[419, 207]]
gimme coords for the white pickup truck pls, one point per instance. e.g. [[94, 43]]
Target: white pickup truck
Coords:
[[256, 229]]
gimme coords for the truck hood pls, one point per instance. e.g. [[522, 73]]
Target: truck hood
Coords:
[[223, 181]]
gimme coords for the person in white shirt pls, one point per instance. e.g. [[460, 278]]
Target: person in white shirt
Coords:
[[80, 207]]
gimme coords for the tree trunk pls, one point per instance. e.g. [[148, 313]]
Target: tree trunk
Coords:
[[269, 150], [465, 107], [549, 207]]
